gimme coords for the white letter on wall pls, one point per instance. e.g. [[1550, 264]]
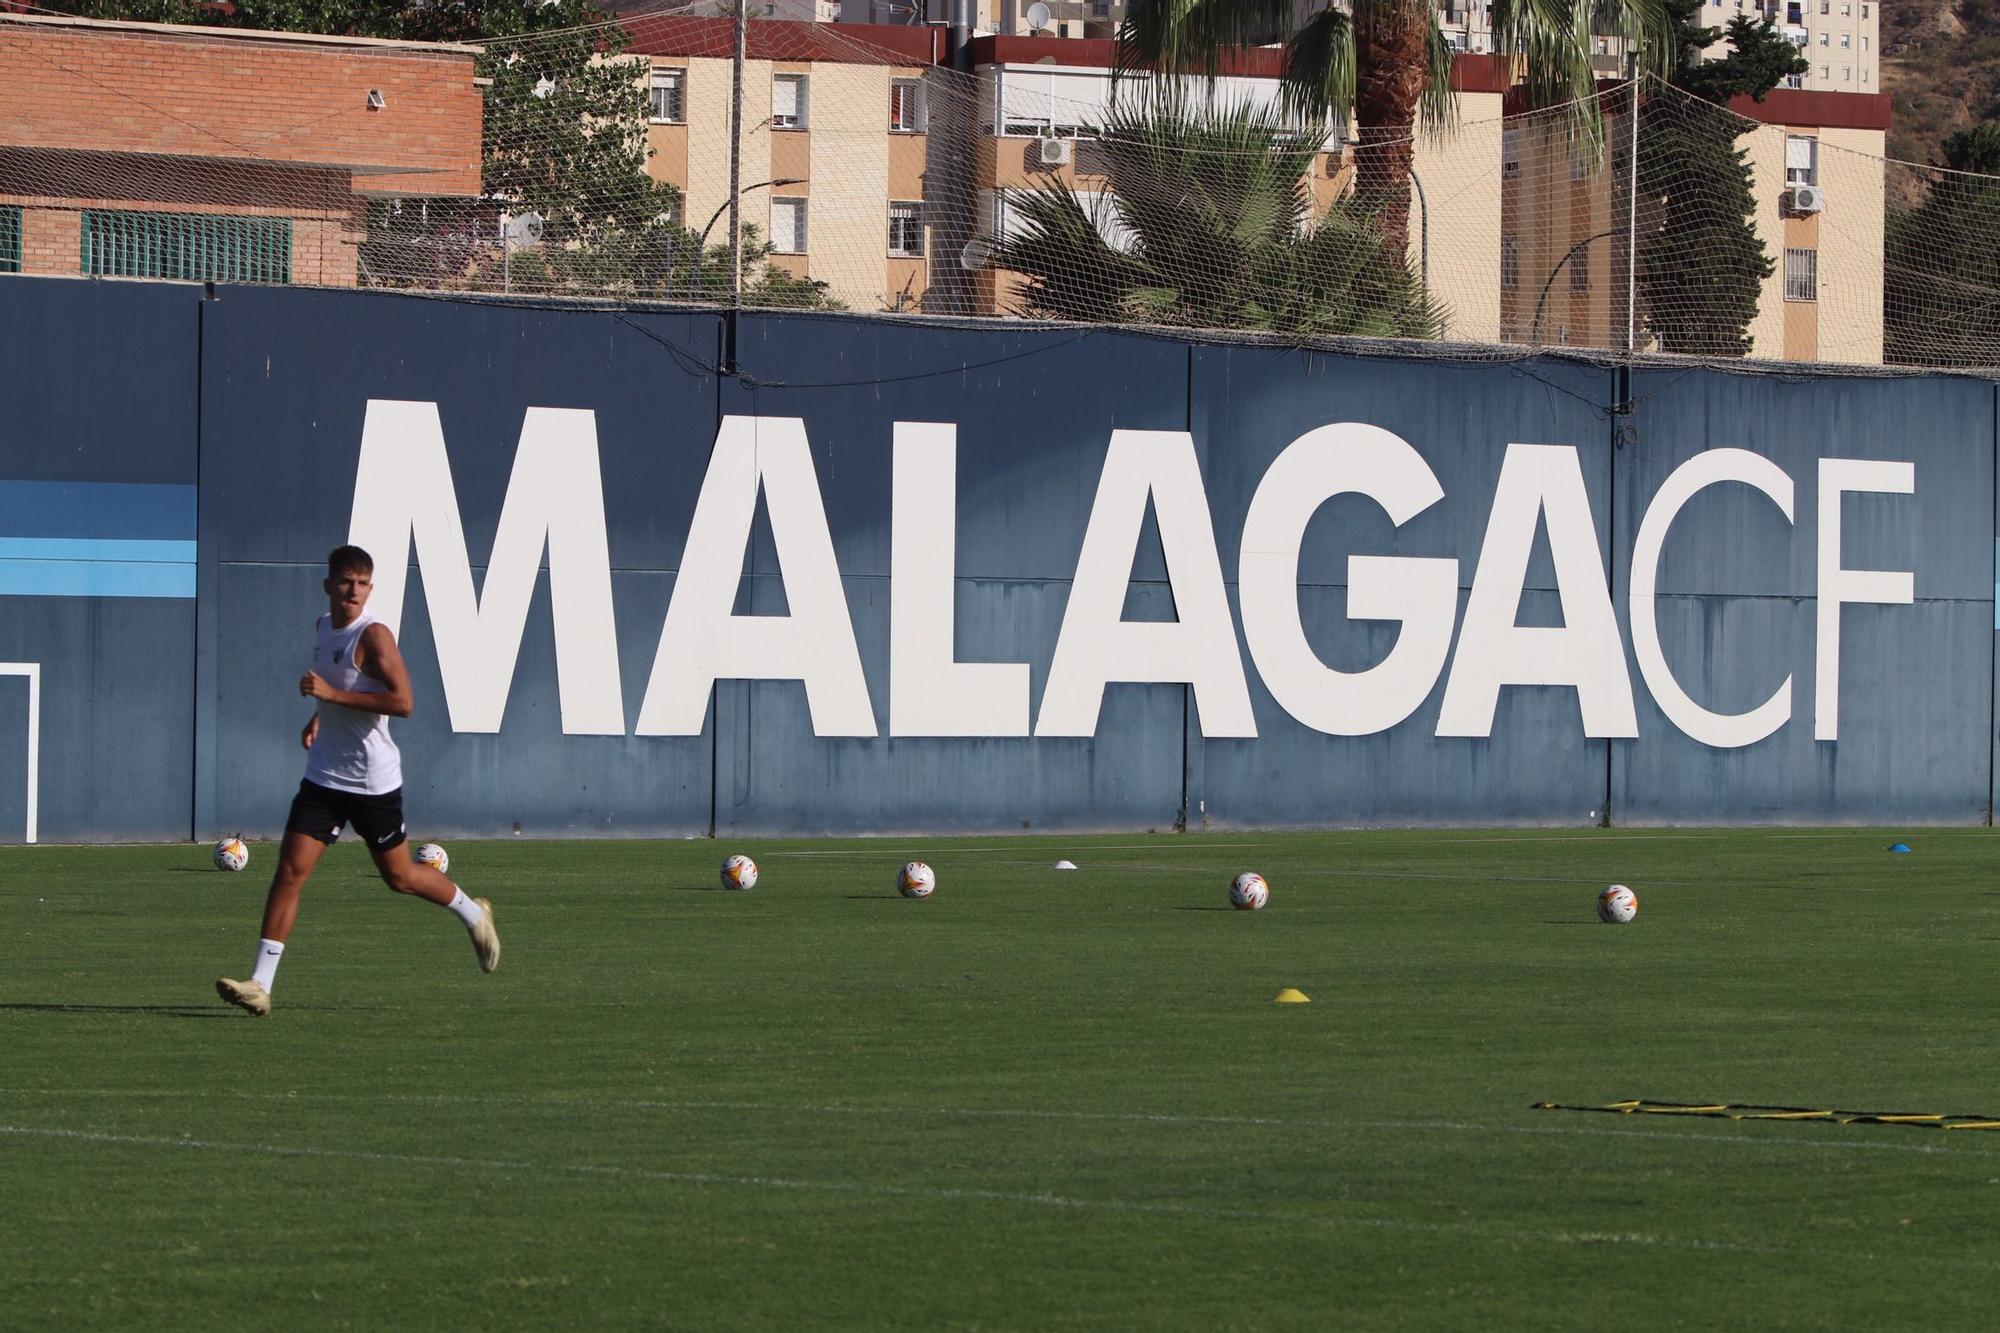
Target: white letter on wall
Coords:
[[931, 694], [1725, 731], [1097, 646], [702, 642], [403, 491], [1340, 459], [1838, 586], [1544, 480]]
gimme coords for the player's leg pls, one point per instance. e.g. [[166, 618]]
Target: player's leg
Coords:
[[310, 828], [379, 820], [297, 855]]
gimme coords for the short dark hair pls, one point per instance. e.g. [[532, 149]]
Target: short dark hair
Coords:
[[349, 560]]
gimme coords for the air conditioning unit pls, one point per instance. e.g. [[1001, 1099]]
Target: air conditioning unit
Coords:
[[1054, 152], [1804, 199]]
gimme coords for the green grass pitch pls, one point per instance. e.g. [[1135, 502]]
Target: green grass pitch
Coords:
[[1039, 1100]]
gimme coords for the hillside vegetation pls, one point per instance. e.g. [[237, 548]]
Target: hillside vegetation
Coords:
[[1941, 69]]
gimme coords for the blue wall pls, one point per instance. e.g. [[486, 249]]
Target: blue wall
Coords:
[[173, 470]]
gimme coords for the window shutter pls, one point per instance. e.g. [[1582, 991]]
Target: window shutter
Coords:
[[785, 98]]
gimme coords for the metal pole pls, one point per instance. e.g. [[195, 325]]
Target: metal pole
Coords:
[[736, 158], [506, 256], [1424, 207], [1632, 211], [959, 34]]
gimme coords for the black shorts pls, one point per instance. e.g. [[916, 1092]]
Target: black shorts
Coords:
[[318, 812]]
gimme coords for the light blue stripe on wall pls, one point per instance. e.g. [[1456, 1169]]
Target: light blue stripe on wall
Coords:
[[95, 578], [95, 549]]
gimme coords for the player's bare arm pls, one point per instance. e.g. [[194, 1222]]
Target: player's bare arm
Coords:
[[380, 659], [310, 732]]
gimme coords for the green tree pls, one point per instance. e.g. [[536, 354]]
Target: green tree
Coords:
[[1701, 265], [1216, 228], [1388, 65], [1941, 298]]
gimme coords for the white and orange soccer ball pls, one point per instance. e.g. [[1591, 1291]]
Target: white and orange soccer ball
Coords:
[[1617, 905], [916, 880], [434, 856], [739, 872], [231, 854], [1248, 892]]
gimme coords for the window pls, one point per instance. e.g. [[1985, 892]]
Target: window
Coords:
[[1847, 10], [1510, 154], [1579, 269], [1825, 38], [1801, 159], [1864, 76], [1864, 11], [10, 238], [1864, 43], [1510, 262], [906, 229], [198, 247], [1846, 73], [1846, 40], [1825, 6], [670, 96], [1822, 71], [788, 226], [788, 101], [1802, 275], [906, 105], [1794, 81]]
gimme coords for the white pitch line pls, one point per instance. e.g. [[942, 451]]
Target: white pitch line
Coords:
[[949, 1193], [568, 1105]]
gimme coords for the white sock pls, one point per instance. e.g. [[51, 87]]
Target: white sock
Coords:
[[468, 910], [268, 954]]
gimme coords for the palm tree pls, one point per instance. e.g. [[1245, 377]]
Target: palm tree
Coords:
[[1211, 225], [1387, 64]]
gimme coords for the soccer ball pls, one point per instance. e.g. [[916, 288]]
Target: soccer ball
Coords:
[[1617, 905], [916, 880], [739, 872], [1248, 892], [432, 855], [231, 854]]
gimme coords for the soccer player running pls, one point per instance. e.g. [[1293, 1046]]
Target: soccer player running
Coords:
[[354, 775]]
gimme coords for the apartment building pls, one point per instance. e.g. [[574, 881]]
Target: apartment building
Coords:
[[1840, 39], [1025, 18], [1818, 187], [835, 150], [148, 150]]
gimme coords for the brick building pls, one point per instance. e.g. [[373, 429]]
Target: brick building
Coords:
[[147, 150]]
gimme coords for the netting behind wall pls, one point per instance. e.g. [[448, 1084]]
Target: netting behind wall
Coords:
[[866, 176]]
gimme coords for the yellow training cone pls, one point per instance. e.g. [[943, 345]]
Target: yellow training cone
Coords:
[[1290, 995]]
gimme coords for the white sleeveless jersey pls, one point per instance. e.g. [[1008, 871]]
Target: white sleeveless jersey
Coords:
[[352, 751]]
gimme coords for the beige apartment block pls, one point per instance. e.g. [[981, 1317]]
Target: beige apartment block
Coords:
[[835, 133], [1816, 166]]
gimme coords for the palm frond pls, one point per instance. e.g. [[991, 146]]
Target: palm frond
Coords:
[[1319, 68], [1187, 36], [1213, 225]]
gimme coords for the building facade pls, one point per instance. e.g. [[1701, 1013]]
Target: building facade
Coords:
[[835, 153], [148, 150], [1815, 163]]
